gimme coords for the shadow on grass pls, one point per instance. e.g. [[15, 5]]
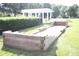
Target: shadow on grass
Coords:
[[51, 51]]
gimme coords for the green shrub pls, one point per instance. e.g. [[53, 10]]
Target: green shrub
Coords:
[[16, 23]]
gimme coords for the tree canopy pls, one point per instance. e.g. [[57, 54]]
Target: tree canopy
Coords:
[[58, 10]]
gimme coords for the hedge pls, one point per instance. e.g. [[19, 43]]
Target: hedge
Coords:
[[17, 23]]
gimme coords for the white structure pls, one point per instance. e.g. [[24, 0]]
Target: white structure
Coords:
[[44, 13]]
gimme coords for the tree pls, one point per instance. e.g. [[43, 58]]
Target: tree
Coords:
[[46, 5], [64, 12], [56, 11], [78, 12], [4, 11], [10, 7], [72, 12]]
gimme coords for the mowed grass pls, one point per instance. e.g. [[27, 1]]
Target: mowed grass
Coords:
[[68, 43], [35, 29], [15, 52]]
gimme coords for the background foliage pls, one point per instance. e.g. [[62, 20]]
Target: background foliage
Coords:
[[59, 11]]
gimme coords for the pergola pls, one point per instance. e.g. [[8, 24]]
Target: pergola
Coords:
[[44, 13]]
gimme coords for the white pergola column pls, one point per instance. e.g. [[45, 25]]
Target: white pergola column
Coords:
[[47, 16], [23, 14], [29, 14], [43, 15], [36, 14], [43, 18], [50, 15]]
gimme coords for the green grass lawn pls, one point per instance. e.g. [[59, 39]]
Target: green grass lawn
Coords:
[[68, 43], [35, 29], [15, 52]]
